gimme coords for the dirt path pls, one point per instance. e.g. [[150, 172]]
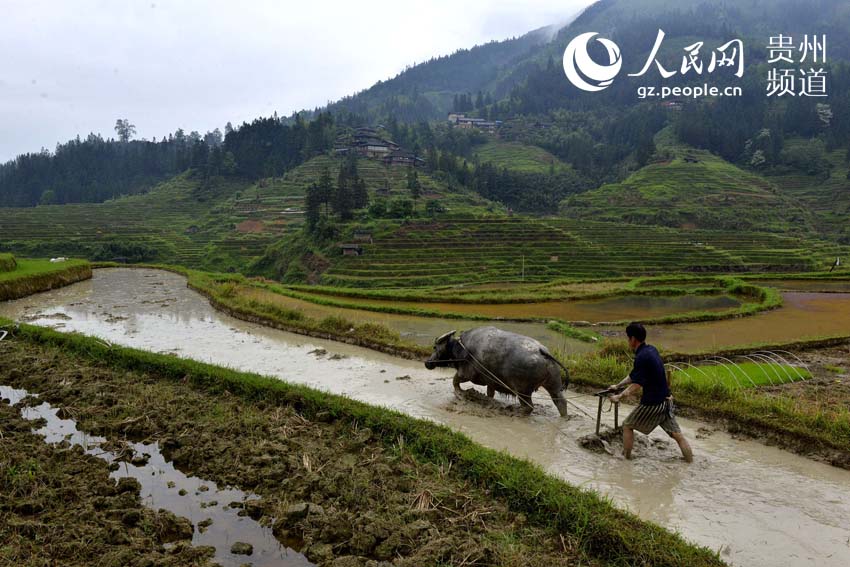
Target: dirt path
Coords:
[[333, 491]]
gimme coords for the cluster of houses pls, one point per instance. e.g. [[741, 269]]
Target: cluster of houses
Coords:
[[462, 121], [368, 143]]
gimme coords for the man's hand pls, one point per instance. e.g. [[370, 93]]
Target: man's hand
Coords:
[[627, 392]]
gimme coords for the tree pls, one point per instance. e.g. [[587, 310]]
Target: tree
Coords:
[[325, 189], [433, 207], [342, 201], [645, 151], [378, 208], [312, 206], [413, 184], [360, 197], [213, 139], [401, 208], [124, 130], [48, 198]]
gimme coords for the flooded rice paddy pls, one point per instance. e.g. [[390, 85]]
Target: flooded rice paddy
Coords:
[[758, 505], [164, 487], [808, 285], [593, 311], [803, 315]]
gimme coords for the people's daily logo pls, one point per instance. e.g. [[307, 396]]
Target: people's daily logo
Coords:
[[698, 60], [584, 72]]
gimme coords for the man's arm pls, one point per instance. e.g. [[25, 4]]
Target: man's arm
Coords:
[[628, 391], [624, 382]]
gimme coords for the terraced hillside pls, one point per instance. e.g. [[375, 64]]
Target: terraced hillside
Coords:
[[225, 225], [694, 189], [828, 199], [518, 157], [516, 249], [176, 222]]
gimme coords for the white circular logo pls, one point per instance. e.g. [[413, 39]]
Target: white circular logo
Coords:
[[584, 72]]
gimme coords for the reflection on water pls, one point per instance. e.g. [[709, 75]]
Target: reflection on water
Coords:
[[761, 505]]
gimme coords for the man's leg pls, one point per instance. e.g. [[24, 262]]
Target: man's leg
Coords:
[[684, 446], [628, 441]]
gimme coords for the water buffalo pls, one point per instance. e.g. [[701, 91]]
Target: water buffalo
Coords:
[[504, 362]]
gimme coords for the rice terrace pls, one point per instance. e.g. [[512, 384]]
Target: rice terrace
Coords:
[[476, 314]]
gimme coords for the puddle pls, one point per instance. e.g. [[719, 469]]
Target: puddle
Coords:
[[760, 505], [165, 487]]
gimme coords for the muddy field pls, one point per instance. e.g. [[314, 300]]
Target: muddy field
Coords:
[[829, 389], [59, 506], [333, 492], [797, 515]]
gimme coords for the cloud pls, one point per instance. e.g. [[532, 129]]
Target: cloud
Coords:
[[72, 68]]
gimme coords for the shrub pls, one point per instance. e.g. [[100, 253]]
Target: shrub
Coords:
[[7, 263], [336, 324]]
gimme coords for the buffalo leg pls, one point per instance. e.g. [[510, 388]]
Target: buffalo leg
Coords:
[[556, 391], [456, 382], [525, 403], [491, 391]]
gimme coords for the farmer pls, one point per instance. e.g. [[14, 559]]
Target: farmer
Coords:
[[656, 403]]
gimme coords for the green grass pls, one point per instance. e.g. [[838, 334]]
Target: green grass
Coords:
[[789, 417], [615, 536], [519, 157], [33, 276], [694, 190], [7, 263], [740, 375], [573, 332]]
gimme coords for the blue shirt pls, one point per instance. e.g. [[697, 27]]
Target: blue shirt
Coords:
[[649, 373]]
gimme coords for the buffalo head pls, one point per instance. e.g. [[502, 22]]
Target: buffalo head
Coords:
[[444, 354]]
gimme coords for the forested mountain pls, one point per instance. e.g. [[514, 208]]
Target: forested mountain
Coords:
[[603, 137], [428, 91]]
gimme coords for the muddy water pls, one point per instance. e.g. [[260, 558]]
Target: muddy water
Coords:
[[808, 285], [757, 504], [803, 315], [636, 307], [162, 485]]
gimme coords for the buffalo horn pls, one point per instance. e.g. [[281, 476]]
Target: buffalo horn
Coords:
[[443, 338]]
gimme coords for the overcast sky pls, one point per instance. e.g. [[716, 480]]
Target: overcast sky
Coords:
[[74, 67]]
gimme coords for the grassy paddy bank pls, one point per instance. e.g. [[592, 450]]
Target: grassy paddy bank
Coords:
[[528, 302], [27, 277], [336, 475]]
